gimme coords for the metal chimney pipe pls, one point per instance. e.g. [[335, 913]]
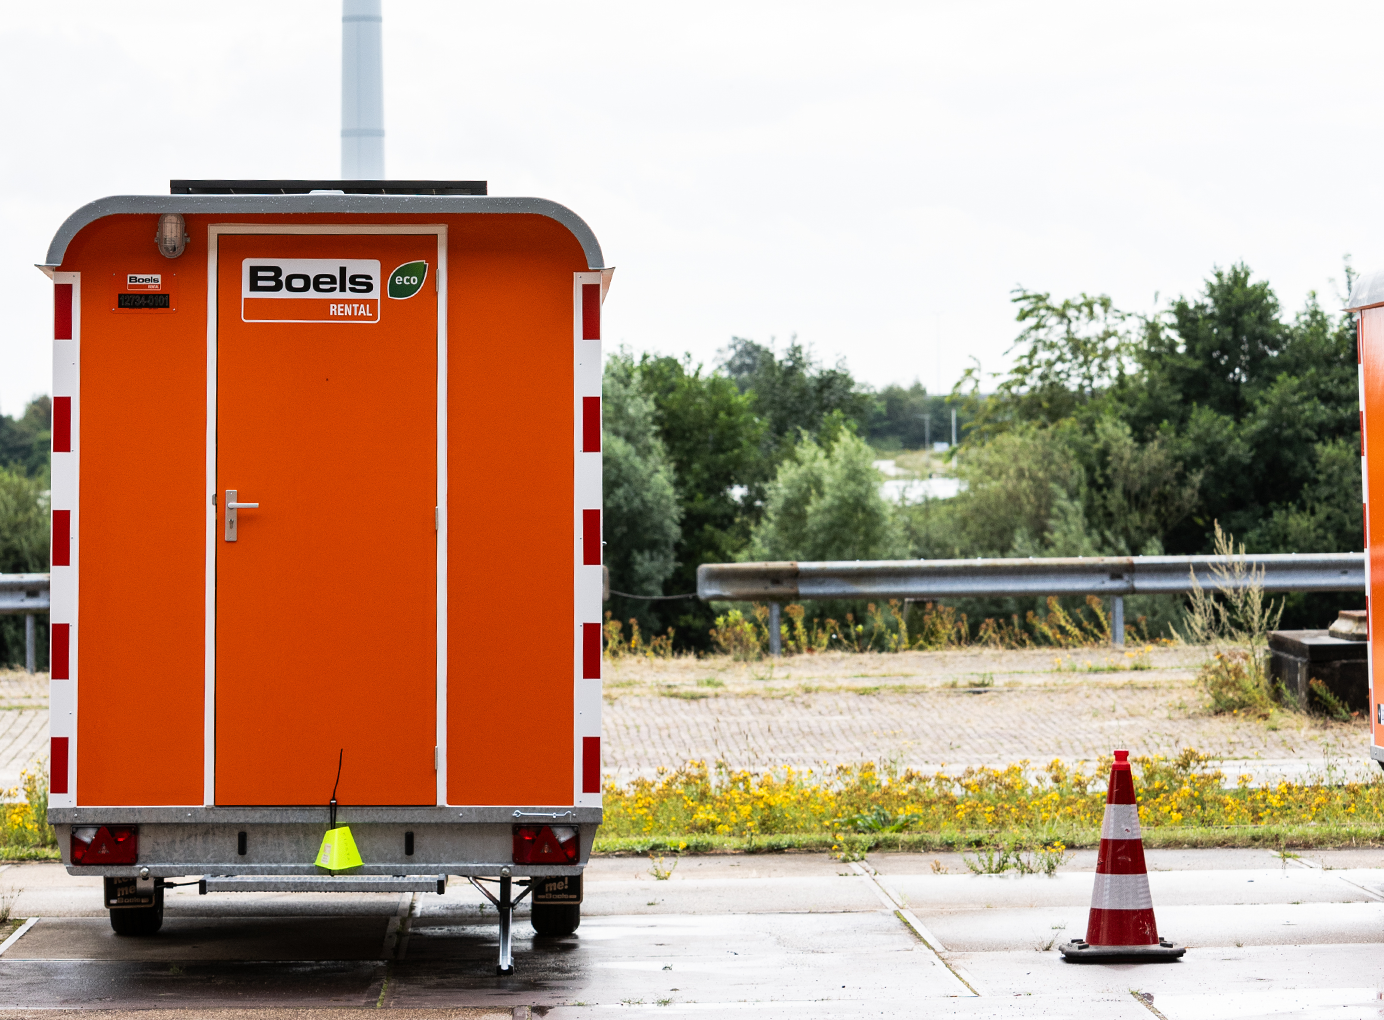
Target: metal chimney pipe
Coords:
[[362, 91]]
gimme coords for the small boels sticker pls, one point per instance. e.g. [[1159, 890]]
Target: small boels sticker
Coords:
[[407, 280], [144, 292], [310, 290]]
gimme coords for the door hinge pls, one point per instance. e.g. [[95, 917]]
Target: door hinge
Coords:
[[437, 518], [436, 760]]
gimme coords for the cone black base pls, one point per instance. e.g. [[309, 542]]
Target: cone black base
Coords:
[[1080, 951]]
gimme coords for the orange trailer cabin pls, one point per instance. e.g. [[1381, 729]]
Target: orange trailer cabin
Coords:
[[1367, 301], [290, 514]]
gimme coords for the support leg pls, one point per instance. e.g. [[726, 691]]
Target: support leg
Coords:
[[775, 637], [506, 907], [30, 662], [1117, 620]]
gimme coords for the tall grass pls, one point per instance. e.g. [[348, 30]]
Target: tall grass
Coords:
[[1234, 620], [927, 627]]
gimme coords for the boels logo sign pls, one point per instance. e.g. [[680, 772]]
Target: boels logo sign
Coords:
[[322, 290]]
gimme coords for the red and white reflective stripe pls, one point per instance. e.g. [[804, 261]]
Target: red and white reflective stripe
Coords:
[[62, 614], [586, 546], [1122, 928], [1372, 316], [1121, 821], [1121, 892]]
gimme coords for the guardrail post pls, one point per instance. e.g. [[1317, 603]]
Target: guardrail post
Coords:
[[1117, 619], [775, 637], [29, 661]]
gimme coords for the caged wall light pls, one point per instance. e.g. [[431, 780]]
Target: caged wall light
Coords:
[[172, 235]]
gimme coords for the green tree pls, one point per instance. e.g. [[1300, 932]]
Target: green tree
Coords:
[[792, 393], [713, 438], [23, 546], [911, 418], [825, 505], [641, 506], [25, 441]]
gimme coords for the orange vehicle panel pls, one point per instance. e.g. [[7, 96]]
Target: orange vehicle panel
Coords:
[[510, 479], [326, 602], [1372, 440], [140, 586], [287, 709]]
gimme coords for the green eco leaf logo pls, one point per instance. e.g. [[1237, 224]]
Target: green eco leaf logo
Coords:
[[408, 279]]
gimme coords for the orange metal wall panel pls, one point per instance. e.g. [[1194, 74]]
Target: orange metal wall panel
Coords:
[[141, 539], [510, 531], [1372, 395]]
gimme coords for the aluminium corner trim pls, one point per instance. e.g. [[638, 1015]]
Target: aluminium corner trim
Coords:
[[383, 205]]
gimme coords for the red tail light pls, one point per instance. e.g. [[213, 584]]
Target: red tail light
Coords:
[[545, 844], [107, 844]]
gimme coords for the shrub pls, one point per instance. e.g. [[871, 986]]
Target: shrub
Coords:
[[24, 823], [1235, 684]]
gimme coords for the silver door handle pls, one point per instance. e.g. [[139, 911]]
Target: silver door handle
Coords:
[[231, 507]]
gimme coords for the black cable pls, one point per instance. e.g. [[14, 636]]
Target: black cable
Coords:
[[654, 598], [332, 804]]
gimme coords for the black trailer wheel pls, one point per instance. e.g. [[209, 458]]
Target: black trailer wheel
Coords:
[[139, 920], [554, 919]]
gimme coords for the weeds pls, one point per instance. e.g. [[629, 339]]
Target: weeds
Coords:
[[899, 627], [1235, 683], [617, 647], [994, 860], [660, 869], [738, 637], [1321, 694], [1235, 619], [24, 827]]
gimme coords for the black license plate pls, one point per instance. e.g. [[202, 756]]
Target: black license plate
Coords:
[[124, 892], [562, 889]]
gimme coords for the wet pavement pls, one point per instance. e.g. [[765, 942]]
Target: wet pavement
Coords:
[[773, 936]]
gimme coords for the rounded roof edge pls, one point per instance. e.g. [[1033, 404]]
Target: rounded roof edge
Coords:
[[1368, 291], [116, 205]]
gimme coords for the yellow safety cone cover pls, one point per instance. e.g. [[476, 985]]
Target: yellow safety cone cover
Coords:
[[338, 851]]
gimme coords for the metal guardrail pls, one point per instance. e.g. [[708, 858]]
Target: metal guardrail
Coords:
[[938, 579], [26, 594], [1112, 576]]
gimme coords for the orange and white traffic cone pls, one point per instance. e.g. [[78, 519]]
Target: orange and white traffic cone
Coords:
[[1121, 926]]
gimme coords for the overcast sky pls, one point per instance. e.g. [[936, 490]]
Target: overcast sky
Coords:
[[872, 177]]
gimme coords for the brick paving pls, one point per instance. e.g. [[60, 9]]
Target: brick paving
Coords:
[[23, 723], [906, 709], [925, 710]]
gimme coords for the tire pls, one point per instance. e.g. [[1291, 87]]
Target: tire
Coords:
[[139, 920], [555, 919]]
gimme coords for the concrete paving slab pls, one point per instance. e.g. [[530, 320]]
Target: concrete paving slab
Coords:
[[270, 1013], [780, 942], [836, 959], [1113, 1006], [1314, 924], [190, 986], [44, 889], [737, 866], [731, 896], [1209, 859], [225, 938], [1226, 976], [1169, 888]]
